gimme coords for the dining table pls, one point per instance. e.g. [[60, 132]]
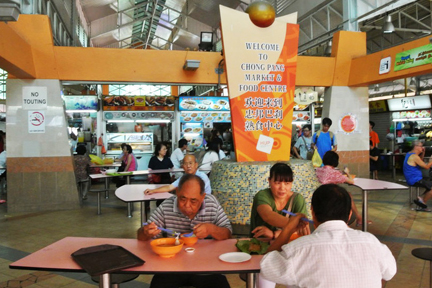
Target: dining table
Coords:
[[367, 185], [131, 193], [209, 257], [107, 176]]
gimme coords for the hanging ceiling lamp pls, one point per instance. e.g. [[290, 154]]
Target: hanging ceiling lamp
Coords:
[[388, 26]]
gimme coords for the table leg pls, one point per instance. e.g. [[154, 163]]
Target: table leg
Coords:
[[99, 203], [394, 166], [143, 208], [365, 211], [107, 188], [250, 280], [105, 280], [129, 205]]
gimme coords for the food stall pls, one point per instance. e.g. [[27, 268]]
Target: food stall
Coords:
[[411, 120], [304, 108], [199, 115], [140, 121], [81, 114]]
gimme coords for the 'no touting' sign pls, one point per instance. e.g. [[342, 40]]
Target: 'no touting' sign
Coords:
[[34, 98]]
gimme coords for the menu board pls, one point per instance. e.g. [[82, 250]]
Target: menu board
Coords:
[[138, 103], [193, 133], [301, 116], [204, 104], [205, 117], [413, 114]]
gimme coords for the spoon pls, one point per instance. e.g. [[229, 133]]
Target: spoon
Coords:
[[189, 234], [293, 214], [163, 229], [177, 242]]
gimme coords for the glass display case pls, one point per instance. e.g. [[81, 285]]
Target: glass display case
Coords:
[[140, 142]]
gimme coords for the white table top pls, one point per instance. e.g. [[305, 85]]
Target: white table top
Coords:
[[142, 172], [371, 184], [115, 164], [135, 193]]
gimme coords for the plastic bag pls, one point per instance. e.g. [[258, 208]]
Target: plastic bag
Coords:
[[316, 159]]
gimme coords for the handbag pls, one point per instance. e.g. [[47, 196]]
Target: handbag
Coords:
[[316, 159], [155, 178], [310, 152]]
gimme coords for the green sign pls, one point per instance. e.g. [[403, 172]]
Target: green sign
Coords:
[[414, 57]]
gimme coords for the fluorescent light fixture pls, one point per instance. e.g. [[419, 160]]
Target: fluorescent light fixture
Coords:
[[413, 119], [153, 121], [82, 111], [9, 10], [191, 65], [192, 134], [388, 26], [300, 122], [117, 121], [380, 98]]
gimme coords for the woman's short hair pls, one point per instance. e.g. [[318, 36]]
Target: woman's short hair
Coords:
[[158, 148], [281, 172], [331, 158], [128, 148]]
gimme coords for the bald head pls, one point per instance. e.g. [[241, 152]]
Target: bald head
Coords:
[[190, 164]]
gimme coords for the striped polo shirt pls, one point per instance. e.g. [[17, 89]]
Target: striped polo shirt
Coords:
[[168, 216]]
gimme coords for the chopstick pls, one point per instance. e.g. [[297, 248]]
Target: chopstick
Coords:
[[162, 229], [294, 214]]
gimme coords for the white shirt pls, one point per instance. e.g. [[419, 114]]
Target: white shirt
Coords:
[[208, 159], [334, 255], [176, 157], [2, 161], [221, 154]]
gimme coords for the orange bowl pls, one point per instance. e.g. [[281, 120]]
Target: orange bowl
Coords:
[[294, 236], [189, 241], [165, 247]]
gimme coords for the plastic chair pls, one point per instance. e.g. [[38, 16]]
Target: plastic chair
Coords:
[[424, 254]]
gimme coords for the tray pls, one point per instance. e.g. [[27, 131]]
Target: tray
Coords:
[[106, 258]]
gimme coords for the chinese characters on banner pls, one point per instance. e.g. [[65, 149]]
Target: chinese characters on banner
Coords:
[[261, 68]]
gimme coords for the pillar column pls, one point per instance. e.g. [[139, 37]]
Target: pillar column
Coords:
[[353, 147], [40, 172]]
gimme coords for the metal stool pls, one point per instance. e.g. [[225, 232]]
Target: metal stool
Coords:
[[424, 254], [416, 188], [117, 279]]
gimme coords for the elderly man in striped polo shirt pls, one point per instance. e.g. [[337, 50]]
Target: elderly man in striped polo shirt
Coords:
[[191, 209]]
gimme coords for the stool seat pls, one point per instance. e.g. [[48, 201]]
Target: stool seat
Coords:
[[424, 254], [117, 279]]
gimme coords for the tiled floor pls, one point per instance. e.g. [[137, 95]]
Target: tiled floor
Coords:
[[394, 223]]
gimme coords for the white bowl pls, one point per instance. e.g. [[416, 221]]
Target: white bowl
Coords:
[[110, 171]]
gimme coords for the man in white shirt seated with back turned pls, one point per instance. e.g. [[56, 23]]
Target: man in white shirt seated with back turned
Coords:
[[334, 255]]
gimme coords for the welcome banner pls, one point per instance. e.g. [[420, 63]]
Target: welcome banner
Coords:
[[261, 70]]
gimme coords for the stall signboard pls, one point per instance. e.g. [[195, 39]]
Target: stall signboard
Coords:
[[81, 102], [261, 67], [204, 104], [409, 103], [138, 115], [377, 106], [305, 97], [138, 103], [413, 57]]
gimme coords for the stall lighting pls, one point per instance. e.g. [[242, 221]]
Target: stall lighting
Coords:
[[117, 121], [153, 121], [81, 111], [413, 119], [192, 134], [300, 122]]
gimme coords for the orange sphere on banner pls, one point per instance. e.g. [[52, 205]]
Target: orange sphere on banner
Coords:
[[261, 13]]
